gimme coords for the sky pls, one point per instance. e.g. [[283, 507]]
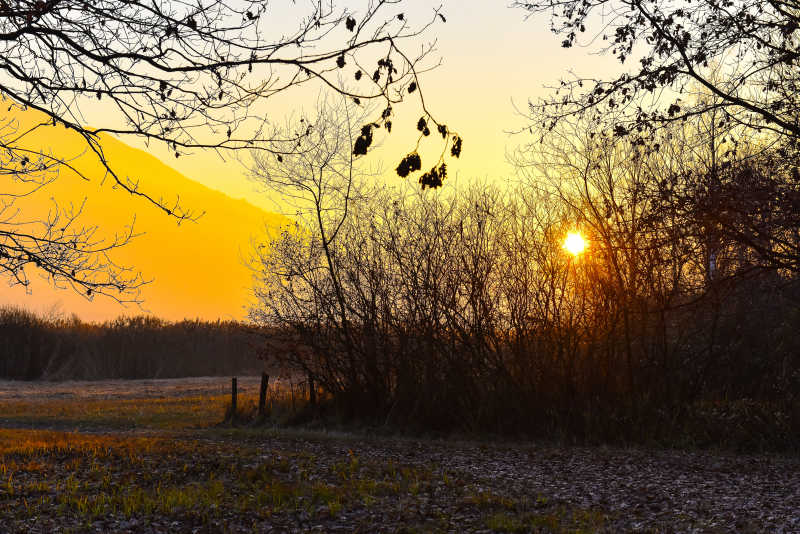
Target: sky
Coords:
[[197, 269], [492, 61]]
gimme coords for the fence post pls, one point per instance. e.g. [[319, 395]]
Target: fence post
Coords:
[[262, 395], [233, 399], [312, 391]]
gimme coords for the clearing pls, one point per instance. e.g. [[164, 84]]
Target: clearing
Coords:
[[149, 456]]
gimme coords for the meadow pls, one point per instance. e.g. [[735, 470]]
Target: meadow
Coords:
[[157, 456]]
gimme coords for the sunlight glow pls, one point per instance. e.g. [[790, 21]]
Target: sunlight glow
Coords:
[[575, 244]]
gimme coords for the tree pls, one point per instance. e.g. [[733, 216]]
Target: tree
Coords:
[[744, 53], [734, 64], [741, 195], [318, 177], [184, 74], [58, 245]]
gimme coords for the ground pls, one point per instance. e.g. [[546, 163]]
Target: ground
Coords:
[[150, 456]]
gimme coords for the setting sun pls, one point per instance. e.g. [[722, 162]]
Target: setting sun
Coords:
[[575, 244]]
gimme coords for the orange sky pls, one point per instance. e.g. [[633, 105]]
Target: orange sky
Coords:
[[491, 56], [197, 269]]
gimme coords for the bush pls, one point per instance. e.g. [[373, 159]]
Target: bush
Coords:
[[461, 312]]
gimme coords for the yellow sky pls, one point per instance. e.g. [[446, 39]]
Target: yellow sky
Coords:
[[492, 58]]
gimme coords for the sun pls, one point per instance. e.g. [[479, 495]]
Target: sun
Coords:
[[575, 244]]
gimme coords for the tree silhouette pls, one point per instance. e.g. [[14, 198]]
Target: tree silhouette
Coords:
[[735, 65], [185, 74], [744, 53]]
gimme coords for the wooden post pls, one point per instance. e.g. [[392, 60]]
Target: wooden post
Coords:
[[312, 391], [233, 399], [262, 395]]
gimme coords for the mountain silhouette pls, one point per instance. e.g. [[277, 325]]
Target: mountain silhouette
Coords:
[[197, 267]]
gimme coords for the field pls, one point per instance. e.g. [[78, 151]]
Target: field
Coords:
[[153, 456]]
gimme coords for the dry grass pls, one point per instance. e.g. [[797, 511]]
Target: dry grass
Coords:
[[140, 405], [85, 483], [165, 414], [166, 464], [180, 471]]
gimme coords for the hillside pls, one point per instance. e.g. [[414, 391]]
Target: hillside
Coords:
[[197, 268]]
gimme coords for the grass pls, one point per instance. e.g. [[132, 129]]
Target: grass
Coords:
[[181, 471], [86, 478], [125, 414], [151, 413]]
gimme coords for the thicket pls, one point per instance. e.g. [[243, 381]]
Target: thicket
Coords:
[[460, 310], [38, 348]]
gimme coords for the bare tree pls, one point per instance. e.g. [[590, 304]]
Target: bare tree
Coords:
[[318, 177], [183, 74], [742, 52], [316, 174], [68, 253]]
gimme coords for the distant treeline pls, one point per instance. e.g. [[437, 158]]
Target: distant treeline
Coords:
[[38, 348]]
